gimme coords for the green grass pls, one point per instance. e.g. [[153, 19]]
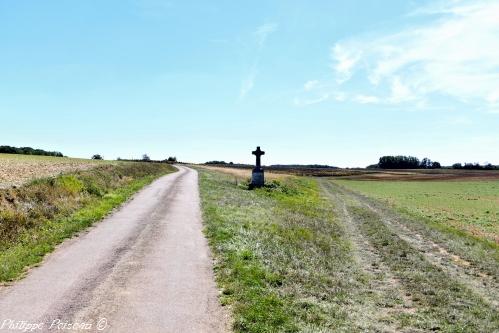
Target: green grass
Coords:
[[60, 207], [472, 207], [443, 304], [481, 252], [285, 262], [282, 259]]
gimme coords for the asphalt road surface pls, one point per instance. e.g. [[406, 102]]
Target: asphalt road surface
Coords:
[[145, 268]]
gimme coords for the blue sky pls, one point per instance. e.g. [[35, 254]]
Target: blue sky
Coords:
[[329, 82]]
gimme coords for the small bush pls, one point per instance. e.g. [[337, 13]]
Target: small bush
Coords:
[[70, 183]]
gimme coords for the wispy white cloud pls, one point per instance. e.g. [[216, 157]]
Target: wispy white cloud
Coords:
[[263, 31], [260, 36], [310, 85], [310, 101], [247, 84], [366, 99], [455, 54], [319, 97], [345, 60]]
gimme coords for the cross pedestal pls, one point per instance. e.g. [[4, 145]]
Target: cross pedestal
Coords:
[[257, 176]]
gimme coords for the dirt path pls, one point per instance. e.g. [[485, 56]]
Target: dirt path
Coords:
[[146, 268], [382, 282]]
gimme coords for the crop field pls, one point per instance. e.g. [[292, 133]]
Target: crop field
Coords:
[[426, 175], [311, 254], [469, 206], [16, 170]]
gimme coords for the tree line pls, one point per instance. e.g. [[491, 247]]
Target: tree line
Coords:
[[28, 151], [411, 162], [405, 162], [475, 166], [145, 158]]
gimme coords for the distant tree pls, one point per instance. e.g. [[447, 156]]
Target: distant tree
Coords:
[[426, 163], [489, 166], [97, 157], [146, 158], [172, 159], [471, 166], [457, 166], [436, 165]]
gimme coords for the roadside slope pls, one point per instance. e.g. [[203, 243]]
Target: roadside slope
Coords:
[[37, 216]]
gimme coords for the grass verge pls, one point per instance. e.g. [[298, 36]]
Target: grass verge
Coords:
[[40, 215], [282, 259]]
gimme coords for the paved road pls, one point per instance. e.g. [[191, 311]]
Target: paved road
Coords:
[[146, 268]]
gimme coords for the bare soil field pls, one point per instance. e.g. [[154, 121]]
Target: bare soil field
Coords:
[[422, 175], [16, 170]]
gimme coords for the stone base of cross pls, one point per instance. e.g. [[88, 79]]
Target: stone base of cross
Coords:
[[257, 176]]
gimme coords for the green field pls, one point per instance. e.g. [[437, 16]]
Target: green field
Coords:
[[469, 206], [307, 255]]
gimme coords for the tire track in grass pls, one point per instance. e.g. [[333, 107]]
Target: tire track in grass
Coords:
[[482, 283], [442, 302], [391, 299]]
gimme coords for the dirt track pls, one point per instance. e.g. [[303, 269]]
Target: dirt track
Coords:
[[146, 268], [386, 282]]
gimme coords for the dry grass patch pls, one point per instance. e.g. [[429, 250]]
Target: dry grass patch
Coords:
[[243, 174]]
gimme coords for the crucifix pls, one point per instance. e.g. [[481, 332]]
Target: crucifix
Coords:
[[258, 153], [257, 176]]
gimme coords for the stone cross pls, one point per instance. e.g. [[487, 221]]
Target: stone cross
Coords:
[[258, 153], [257, 176]]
